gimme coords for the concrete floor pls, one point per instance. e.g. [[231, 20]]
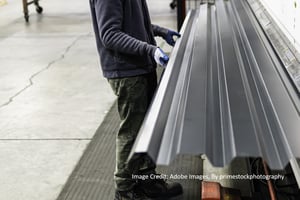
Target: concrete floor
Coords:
[[52, 93], [92, 178]]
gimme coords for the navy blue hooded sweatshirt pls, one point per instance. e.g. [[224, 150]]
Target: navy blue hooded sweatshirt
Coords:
[[125, 37]]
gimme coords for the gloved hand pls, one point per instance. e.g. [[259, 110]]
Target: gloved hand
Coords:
[[170, 37], [160, 57]]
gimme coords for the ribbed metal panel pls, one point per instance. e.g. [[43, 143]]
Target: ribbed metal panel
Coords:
[[224, 93]]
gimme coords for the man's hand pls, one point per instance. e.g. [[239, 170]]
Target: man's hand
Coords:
[[170, 37], [160, 57]]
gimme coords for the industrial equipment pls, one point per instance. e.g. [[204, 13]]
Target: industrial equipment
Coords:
[[226, 93]]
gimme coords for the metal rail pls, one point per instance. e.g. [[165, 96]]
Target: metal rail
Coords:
[[223, 94]]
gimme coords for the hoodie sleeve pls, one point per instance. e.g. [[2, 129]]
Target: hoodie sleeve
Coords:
[[109, 14]]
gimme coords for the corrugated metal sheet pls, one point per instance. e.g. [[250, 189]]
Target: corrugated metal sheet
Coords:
[[224, 93]]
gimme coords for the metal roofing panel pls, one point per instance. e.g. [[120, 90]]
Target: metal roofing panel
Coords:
[[223, 94]]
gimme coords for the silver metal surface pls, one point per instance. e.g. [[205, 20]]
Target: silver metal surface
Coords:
[[224, 94], [287, 52]]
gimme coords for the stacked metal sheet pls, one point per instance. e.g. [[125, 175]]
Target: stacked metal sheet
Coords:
[[224, 93]]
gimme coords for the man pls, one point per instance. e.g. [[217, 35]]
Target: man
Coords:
[[129, 55]]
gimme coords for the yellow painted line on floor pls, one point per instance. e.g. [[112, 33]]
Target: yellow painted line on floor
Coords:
[[3, 2]]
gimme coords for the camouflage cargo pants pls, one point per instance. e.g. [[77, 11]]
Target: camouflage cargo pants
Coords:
[[134, 95]]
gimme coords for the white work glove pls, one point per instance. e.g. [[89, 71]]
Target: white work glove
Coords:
[[161, 58]]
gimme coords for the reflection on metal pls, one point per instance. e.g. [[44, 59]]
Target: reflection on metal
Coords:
[[224, 93]]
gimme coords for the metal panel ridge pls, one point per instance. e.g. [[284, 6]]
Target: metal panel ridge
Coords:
[[151, 131], [223, 94]]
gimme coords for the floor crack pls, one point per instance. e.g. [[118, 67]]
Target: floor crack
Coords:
[[50, 64]]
